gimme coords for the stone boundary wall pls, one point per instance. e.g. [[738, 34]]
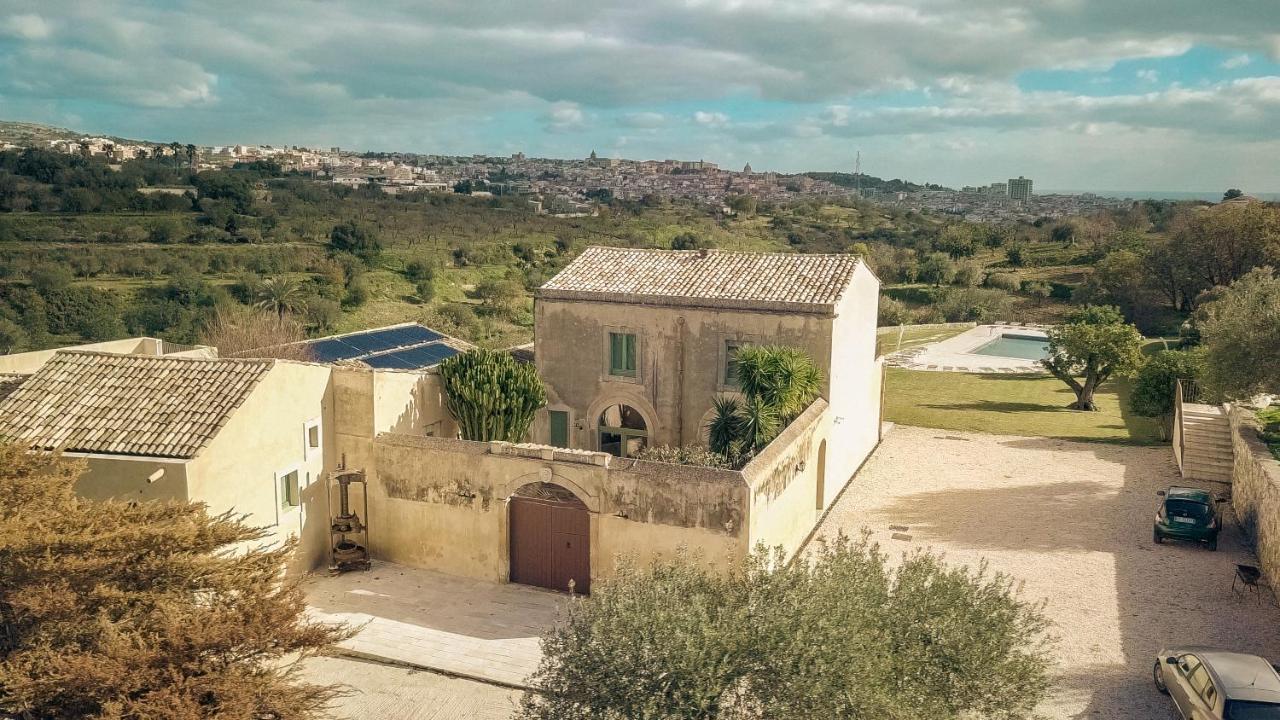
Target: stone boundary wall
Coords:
[[1255, 490]]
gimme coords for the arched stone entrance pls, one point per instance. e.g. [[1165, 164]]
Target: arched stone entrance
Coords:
[[622, 430], [550, 538]]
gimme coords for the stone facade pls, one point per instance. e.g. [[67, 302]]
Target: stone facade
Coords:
[[1255, 491]]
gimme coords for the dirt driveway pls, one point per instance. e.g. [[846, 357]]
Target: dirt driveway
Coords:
[[1073, 521]]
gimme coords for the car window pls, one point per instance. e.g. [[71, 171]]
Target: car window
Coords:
[[1237, 710], [1187, 509], [1187, 664], [1210, 695], [1199, 679]]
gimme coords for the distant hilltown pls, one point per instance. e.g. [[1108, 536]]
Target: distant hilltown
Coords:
[[574, 187]]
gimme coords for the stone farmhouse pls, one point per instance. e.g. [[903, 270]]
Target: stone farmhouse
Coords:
[[633, 347]]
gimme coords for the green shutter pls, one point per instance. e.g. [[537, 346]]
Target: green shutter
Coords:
[[560, 428], [622, 354], [731, 364]]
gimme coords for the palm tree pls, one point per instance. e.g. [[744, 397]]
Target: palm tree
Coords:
[[175, 148], [191, 155], [281, 295]]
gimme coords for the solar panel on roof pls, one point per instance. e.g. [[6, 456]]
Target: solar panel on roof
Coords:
[[388, 360], [332, 350], [414, 334], [370, 341]]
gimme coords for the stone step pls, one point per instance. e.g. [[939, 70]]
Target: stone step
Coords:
[[1204, 463], [1199, 455], [1206, 422], [1208, 441], [1209, 433], [1205, 469]]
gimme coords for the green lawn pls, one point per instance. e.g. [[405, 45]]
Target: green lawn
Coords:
[[1011, 405], [887, 338]]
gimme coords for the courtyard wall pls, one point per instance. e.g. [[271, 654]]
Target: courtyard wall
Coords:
[[1255, 490]]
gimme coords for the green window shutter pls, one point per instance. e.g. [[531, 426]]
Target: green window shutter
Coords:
[[622, 354], [560, 428], [289, 490], [630, 354]]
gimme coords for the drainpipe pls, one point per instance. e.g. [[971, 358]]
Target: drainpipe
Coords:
[[680, 331]]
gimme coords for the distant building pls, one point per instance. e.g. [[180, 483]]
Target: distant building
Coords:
[[1020, 188], [747, 170], [998, 189]]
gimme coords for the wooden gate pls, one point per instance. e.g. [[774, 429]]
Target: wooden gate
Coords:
[[550, 539]]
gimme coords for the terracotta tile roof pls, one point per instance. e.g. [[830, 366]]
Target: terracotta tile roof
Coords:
[[127, 404], [715, 278]]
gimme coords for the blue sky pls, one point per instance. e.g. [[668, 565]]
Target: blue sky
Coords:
[[1078, 94]]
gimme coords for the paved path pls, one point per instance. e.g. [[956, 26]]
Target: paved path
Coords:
[[486, 631], [1073, 521], [386, 692], [955, 354]]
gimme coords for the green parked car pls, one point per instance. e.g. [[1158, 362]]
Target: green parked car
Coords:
[[1188, 514]]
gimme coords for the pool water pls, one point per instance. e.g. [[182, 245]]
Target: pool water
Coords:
[[1026, 347]]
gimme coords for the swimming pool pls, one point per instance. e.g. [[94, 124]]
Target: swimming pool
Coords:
[[1026, 347]]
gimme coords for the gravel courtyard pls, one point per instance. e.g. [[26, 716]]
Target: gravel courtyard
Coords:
[[1073, 521]]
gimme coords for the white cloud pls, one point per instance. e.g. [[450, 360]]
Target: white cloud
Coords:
[[564, 117], [1236, 61], [26, 26], [1148, 75], [711, 119]]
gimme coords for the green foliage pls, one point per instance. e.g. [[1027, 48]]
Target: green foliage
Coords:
[[783, 378], [280, 295], [777, 384], [742, 204], [1008, 282], [839, 633], [1240, 331], [417, 270], [972, 304], [12, 336], [892, 312], [1094, 344], [1269, 419], [684, 455], [688, 241], [491, 395], [136, 609], [936, 269], [1154, 387], [355, 239], [425, 290]]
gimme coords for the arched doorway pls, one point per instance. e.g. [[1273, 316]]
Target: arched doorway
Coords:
[[622, 431], [550, 538], [822, 476]]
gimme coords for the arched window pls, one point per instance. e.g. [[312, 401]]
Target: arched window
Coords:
[[622, 431]]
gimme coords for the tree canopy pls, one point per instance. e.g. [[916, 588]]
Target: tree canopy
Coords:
[[839, 634], [133, 610], [1240, 331], [1093, 345], [1154, 388]]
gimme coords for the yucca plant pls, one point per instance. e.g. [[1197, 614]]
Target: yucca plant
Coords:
[[491, 395], [782, 377], [777, 384]]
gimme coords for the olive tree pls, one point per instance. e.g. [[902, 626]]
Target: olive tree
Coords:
[[841, 633], [1240, 331], [1094, 344]]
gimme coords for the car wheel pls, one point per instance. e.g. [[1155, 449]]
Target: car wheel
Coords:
[[1158, 675], [1157, 537], [1213, 544]]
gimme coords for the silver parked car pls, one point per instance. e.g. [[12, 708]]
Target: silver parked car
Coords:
[[1208, 684]]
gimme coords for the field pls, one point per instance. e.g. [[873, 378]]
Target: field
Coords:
[[1011, 405]]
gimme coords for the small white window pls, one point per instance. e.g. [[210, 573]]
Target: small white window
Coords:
[[312, 439]]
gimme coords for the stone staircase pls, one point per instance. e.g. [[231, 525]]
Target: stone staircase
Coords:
[[1206, 441]]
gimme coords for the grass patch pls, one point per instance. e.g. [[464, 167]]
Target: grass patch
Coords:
[[887, 338], [1012, 405], [1270, 432]]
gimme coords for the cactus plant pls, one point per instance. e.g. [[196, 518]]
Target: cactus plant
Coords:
[[491, 395]]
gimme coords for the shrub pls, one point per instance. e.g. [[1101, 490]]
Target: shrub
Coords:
[[1153, 390], [968, 274], [355, 239], [688, 241], [684, 455], [841, 632], [936, 269], [418, 270], [425, 290], [892, 312], [137, 609], [358, 293], [1008, 282], [972, 305]]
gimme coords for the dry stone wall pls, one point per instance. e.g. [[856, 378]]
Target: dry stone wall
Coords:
[[1255, 491]]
